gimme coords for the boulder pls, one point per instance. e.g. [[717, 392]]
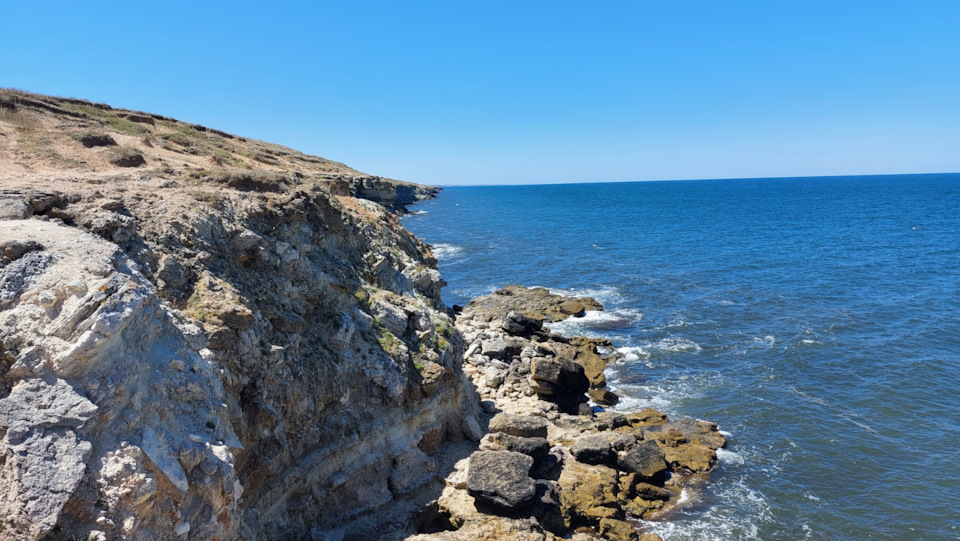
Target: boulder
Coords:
[[593, 450], [604, 397], [500, 478], [471, 428], [617, 530], [573, 308], [650, 492], [524, 426], [645, 459], [495, 348], [536, 448], [14, 208], [609, 420], [519, 324], [584, 488]]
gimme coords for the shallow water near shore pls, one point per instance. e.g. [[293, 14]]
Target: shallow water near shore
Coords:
[[817, 321]]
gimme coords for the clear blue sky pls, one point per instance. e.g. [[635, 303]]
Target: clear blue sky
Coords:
[[526, 92]]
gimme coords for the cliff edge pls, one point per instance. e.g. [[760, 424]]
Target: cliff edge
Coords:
[[204, 351]]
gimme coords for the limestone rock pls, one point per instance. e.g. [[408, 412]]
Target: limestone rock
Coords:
[[500, 478], [593, 450], [535, 448], [645, 459], [647, 417], [604, 397], [618, 530], [524, 426], [44, 452], [14, 208], [584, 488]]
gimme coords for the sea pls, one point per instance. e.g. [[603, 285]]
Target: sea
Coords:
[[815, 320]]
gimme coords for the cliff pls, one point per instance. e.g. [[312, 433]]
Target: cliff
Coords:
[[204, 336], [205, 352]]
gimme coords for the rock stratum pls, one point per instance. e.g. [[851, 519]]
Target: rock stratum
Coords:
[[227, 339]]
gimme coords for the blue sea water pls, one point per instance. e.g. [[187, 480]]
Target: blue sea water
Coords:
[[816, 320]]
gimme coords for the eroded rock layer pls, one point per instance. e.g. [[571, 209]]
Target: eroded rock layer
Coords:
[[253, 365]]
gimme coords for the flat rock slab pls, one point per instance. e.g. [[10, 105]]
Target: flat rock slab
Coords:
[[534, 303], [536, 448], [500, 478], [523, 426]]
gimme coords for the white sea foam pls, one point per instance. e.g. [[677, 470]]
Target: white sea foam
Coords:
[[766, 341], [595, 322], [727, 456], [603, 294], [633, 354], [419, 213], [674, 344], [736, 512], [446, 251]]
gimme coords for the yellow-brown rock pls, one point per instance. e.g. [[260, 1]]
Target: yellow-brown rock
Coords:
[[647, 417], [618, 530], [583, 488]]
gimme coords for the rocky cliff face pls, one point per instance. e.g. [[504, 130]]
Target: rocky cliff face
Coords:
[[215, 364]]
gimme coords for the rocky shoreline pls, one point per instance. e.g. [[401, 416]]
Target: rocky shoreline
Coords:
[[549, 464], [234, 340]]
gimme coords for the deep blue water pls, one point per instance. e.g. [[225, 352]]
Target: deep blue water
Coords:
[[816, 320]]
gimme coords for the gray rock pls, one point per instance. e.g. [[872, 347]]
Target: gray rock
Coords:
[[493, 375], [45, 450], [500, 478], [524, 426], [624, 442], [536, 448], [14, 208], [519, 324], [593, 450], [495, 348], [159, 453], [393, 318], [411, 470], [471, 428], [645, 459], [547, 370], [609, 420]]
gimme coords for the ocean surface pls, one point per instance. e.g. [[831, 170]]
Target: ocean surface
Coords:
[[816, 320]]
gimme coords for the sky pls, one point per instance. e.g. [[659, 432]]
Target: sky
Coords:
[[526, 92]]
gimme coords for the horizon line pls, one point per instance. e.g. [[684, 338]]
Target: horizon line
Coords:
[[693, 179]]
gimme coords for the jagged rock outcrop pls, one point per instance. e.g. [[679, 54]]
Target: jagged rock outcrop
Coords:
[[586, 469], [255, 366]]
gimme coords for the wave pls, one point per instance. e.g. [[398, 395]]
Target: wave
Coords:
[[595, 322], [446, 251], [736, 512], [605, 295], [726, 456]]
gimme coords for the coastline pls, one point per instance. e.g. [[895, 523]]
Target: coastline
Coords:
[[263, 353], [589, 469]]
